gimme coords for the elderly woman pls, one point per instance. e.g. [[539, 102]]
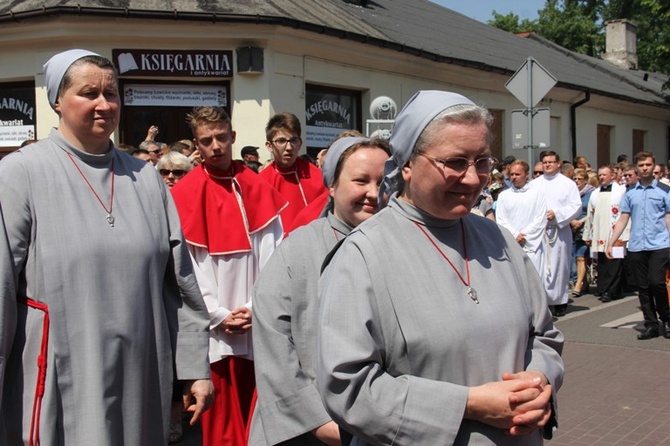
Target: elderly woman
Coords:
[[103, 312], [289, 410], [173, 166], [433, 326]]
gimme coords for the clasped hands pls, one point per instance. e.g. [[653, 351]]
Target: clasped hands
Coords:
[[519, 404], [238, 321]]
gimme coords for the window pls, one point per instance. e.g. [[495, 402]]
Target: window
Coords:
[[638, 141], [329, 112], [17, 115]]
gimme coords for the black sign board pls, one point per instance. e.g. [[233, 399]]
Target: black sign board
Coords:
[[173, 63]]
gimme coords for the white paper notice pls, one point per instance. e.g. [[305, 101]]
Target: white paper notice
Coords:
[[618, 252]]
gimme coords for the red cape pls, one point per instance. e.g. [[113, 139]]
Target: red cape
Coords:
[[309, 213], [210, 214], [300, 185]]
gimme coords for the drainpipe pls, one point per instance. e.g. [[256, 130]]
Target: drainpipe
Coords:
[[573, 122]]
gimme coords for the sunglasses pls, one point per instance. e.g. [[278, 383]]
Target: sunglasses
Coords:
[[176, 172], [537, 172], [627, 174]]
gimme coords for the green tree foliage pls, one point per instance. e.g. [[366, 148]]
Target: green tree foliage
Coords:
[[510, 23], [572, 24], [579, 25], [653, 35]]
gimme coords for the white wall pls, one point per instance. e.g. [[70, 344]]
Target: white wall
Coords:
[[291, 61]]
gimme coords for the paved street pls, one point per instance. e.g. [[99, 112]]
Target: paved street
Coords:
[[616, 389]]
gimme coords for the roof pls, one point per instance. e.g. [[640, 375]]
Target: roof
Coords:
[[418, 27]]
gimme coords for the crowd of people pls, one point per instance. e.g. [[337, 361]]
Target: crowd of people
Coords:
[[595, 217], [352, 300]]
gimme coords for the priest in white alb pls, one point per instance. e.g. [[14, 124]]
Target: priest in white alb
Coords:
[[563, 205], [522, 210]]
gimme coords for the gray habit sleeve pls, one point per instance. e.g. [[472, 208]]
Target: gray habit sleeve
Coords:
[[190, 331], [285, 343]]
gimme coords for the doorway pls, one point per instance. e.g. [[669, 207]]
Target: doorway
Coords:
[[165, 105]]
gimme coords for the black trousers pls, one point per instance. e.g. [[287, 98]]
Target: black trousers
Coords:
[[629, 279], [610, 274], [649, 267]]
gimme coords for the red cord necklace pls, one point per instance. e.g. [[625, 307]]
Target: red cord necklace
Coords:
[[110, 217], [472, 293]]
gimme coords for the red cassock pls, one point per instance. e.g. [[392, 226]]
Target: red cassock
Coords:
[[218, 211], [300, 184]]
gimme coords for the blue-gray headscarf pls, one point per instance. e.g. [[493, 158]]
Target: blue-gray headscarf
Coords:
[[417, 113], [335, 152], [333, 156], [55, 68]]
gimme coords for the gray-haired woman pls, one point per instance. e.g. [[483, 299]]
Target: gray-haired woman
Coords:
[[172, 167], [433, 326]]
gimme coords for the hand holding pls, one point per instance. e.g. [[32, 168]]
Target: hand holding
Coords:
[[521, 239], [152, 133], [535, 411], [238, 321], [498, 403]]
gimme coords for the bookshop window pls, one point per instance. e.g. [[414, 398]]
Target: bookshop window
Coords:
[[329, 112]]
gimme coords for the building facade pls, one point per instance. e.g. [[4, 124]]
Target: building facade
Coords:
[[324, 60]]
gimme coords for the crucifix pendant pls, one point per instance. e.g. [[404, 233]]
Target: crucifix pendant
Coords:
[[473, 294], [110, 220]]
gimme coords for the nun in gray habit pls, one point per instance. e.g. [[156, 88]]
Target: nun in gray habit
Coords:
[[433, 325], [104, 311], [289, 410]]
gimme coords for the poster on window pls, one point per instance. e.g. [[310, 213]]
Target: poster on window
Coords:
[[327, 115], [136, 95], [17, 116]]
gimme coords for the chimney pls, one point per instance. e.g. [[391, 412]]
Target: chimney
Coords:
[[621, 44]]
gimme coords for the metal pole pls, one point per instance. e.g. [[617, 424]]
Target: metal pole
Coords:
[[529, 111]]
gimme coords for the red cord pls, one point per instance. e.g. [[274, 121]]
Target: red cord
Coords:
[[34, 439]]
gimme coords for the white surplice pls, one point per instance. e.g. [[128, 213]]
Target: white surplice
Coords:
[[524, 211], [562, 197]]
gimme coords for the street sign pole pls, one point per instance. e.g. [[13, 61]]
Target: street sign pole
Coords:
[[529, 110], [530, 84]]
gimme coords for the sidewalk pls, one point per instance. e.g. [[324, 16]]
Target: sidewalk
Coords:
[[614, 396]]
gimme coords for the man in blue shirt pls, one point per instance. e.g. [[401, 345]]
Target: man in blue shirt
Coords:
[[647, 205]]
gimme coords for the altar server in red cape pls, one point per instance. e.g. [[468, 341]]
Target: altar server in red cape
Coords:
[[297, 180], [230, 219]]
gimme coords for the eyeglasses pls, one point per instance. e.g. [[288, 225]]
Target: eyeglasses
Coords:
[[537, 172], [176, 172], [281, 142], [580, 179], [460, 165], [154, 151]]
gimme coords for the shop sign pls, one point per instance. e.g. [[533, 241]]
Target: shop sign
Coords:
[[17, 116], [327, 115], [173, 63], [136, 95]]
